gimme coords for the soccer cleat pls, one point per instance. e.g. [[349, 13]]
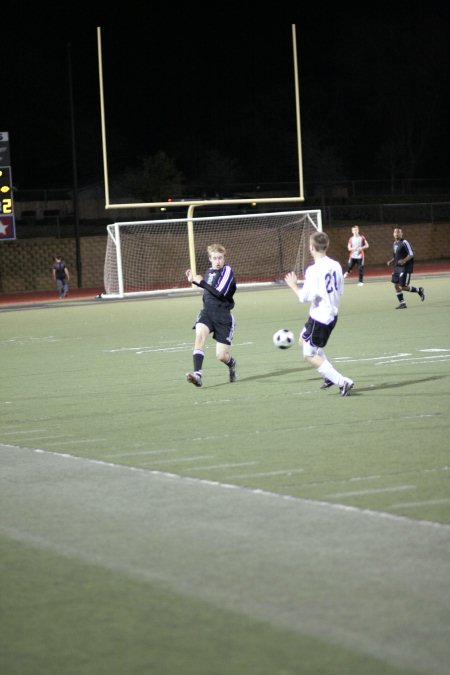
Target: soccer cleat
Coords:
[[345, 389], [345, 275], [233, 370], [421, 293], [361, 283], [402, 305], [326, 383], [194, 379]]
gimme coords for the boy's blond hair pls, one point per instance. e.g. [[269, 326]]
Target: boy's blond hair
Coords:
[[216, 248]]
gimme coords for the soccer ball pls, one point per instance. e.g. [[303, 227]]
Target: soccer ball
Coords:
[[283, 338]]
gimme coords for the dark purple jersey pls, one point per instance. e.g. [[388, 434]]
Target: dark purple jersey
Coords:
[[400, 249], [219, 287]]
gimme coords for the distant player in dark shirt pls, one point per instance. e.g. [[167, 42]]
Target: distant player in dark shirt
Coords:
[[403, 261], [218, 286], [61, 276]]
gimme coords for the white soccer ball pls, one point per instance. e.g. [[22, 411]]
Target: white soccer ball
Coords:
[[283, 338]]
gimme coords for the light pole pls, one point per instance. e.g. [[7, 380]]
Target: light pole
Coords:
[[74, 172]]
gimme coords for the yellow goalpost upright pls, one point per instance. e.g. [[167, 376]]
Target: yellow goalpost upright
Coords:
[[147, 256], [208, 202]]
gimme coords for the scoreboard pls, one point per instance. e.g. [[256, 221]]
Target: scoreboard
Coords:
[[7, 220]]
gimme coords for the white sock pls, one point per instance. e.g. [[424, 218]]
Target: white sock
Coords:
[[327, 371]]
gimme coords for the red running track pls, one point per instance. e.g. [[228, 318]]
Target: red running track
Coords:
[[31, 297]]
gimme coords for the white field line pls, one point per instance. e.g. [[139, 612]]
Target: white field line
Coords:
[[412, 505], [359, 493], [180, 460], [25, 339], [52, 438], [416, 360], [400, 357], [223, 466], [43, 438], [263, 474], [189, 479], [160, 451], [180, 347], [307, 427], [75, 441], [21, 431], [310, 567], [354, 479], [437, 352], [201, 439]]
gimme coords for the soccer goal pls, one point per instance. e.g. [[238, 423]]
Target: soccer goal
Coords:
[[151, 256]]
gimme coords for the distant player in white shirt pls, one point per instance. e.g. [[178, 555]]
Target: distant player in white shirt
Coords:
[[357, 244], [323, 287]]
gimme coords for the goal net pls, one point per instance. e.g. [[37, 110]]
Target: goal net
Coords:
[[151, 256]]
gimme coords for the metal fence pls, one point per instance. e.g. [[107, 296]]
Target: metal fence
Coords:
[[432, 212]]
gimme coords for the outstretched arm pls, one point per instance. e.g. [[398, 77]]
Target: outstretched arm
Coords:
[[193, 279], [224, 284], [305, 293], [291, 280]]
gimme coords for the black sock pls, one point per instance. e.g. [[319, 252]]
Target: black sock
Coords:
[[198, 362]]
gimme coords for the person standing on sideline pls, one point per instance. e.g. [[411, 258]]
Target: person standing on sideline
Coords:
[[403, 261], [323, 287], [61, 276], [357, 244], [218, 286]]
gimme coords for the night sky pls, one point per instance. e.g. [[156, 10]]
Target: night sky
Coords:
[[184, 82]]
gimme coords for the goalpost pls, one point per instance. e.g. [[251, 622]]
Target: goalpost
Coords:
[[256, 199], [151, 256]]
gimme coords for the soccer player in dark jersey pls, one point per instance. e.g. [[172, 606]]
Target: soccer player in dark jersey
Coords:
[[403, 261], [218, 286], [61, 276]]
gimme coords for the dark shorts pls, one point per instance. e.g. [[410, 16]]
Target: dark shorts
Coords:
[[400, 276], [316, 333], [359, 262], [221, 325]]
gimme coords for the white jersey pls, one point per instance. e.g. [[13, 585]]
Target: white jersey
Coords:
[[354, 246], [323, 287]]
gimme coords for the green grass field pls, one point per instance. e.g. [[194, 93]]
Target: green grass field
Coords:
[[265, 527]]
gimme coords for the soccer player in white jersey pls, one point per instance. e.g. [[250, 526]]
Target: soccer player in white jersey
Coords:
[[357, 244], [323, 287]]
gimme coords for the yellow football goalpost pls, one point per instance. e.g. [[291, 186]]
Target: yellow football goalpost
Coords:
[[136, 250], [208, 202]]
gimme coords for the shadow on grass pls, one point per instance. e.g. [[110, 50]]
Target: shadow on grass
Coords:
[[273, 373], [355, 391], [396, 385]]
